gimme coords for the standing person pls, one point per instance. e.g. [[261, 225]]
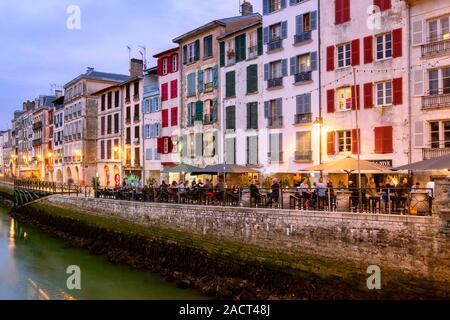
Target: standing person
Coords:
[[371, 194], [430, 190], [321, 191], [305, 193]]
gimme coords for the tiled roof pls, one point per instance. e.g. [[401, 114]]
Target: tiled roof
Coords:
[[102, 76]]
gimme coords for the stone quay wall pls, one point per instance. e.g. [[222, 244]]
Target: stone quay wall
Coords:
[[412, 244]]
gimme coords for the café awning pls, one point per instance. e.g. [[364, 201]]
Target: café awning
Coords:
[[225, 168], [440, 163], [181, 168], [348, 165]]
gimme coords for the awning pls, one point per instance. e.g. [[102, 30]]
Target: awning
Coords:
[[441, 163], [348, 165]]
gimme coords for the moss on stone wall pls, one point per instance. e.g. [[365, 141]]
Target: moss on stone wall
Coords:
[[220, 268]]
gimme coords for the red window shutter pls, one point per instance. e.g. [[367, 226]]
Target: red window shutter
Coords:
[[379, 140], [357, 103], [368, 95], [383, 4], [164, 92], [356, 136], [330, 58], [170, 145], [160, 67], [346, 10], [355, 52], [397, 85], [330, 101], [388, 144], [165, 118], [169, 65], [338, 11], [174, 116], [397, 43], [160, 145], [368, 49], [173, 89], [331, 138]]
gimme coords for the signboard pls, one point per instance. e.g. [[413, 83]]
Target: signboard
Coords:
[[386, 163]]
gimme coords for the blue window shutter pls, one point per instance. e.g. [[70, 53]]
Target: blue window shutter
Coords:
[[283, 4], [284, 30], [266, 35], [148, 154], [299, 103], [308, 102], [284, 67], [266, 72], [299, 24], [189, 114], [200, 80], [279, 107], [293, 65], [216, 76], [266, 109], [313, 20], [314, 61], [265, 7]]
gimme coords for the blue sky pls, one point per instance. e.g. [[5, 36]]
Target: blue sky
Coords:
[[38, 49]]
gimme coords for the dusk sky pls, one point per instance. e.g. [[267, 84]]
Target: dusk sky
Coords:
[[39, 50]]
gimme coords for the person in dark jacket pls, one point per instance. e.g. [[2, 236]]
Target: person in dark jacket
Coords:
[[275, 194]]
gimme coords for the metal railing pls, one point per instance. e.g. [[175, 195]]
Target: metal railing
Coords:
[[436, 101], [303, 76], [275, 82], [432, 153], [275, 122], [303, 118], [302, 37], [435, 46], [274, 45]]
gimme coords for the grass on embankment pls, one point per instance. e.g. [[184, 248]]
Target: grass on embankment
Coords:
[[4, 190], [305, 275]]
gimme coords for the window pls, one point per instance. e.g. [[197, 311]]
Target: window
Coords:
[[344, 99], [102, 150], [136, 89], [344, 55], [108, 149], [275, 70], [116, 99], [252, 150], [252, 115], [127, 92], [307, 22], [164, 66], [440, 134], [303, 146], [231, 118], [174, 63], [208, 74], [345, 141], [276, 148], [110, 100], [209, 144], [439, 81], [439, 29], [191, 113], [274, 5], [384, 93], [275, 32], [191, 52], [136, 132], [304, 63], [109, 126], [102, 126], [103, 104], [207, 47], [303, 109], [116, 123], [435, 133], [230, 84], [384, 46]]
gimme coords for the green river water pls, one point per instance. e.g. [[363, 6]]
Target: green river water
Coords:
[[33, 266]]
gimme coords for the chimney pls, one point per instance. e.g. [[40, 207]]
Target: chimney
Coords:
[[246, 8], [136, 68]]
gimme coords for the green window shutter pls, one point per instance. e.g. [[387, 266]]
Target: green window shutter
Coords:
[[214, 110], [230, 84], [231, 118], [215, 143], [252, 78], [249, 116], [240, 47], [197, 50], [260, 41], [200, 80], [254, 115], [191, 84], [183, 150], [199, 111], [216, 76], [189, 114], [222, 54]]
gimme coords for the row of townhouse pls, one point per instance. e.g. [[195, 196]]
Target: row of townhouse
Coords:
[[306, 82]]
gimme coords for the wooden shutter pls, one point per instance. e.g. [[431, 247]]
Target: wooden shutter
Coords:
[[200, 80], [368, 95], [165, 118], [314, 63], [417, 33], [345, 11], [252, 78], [222, 54], [356, 137], [215, 72], [265, 7], [260, 41], [338, 11], [284, 67], [368, 49], [313, 20], [266, 72], [388, 143], [197, 50], [199, 144], [299, 24], [185, 55], [331, 140], [159, 63], [174, 116], [199, 111], [397, 43], [174, 89], [330, 101], [379, 140], [160, 145], [418, 76], [330, 58], [284, 30], [397, 85], [214, 110], [230, 84], [355, 52], [357, 103]]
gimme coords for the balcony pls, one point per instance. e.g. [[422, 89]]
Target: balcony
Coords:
[[432, 153], [302, 37], [209, 87], [436, 101], [37, 125], [274, 83], [275, 122], [252, 52], [303, 118], [37, 142], [208, 119], [303, 155], [301, 77], [275, 45], [436, 46]]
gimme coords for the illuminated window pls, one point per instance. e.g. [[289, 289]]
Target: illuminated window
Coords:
[[345, 141], [344, 99]]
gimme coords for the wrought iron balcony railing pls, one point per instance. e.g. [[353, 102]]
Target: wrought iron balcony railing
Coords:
[[436, 45], [273, 83], [275, 45], [275, 122], [436, 101], [431, 153], [303, 76], [302, 37], [303, 118]]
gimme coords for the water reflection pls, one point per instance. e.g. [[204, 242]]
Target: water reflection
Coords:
[[33, 266]]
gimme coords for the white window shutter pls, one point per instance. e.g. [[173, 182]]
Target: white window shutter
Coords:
[[417, 33], [419, 134], [418, 83]]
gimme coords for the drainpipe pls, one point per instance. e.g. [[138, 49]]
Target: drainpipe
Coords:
[[320, 82], [409, 84]]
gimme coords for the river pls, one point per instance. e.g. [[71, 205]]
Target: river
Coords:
[[33, 266]]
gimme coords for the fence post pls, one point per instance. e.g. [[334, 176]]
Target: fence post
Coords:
[[389, 201]]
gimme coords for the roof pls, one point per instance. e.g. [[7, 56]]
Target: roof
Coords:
[[58, 101], [149, 71], [101, 76], [106, 89], [216, 23], [251, 24], [167, 52]]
